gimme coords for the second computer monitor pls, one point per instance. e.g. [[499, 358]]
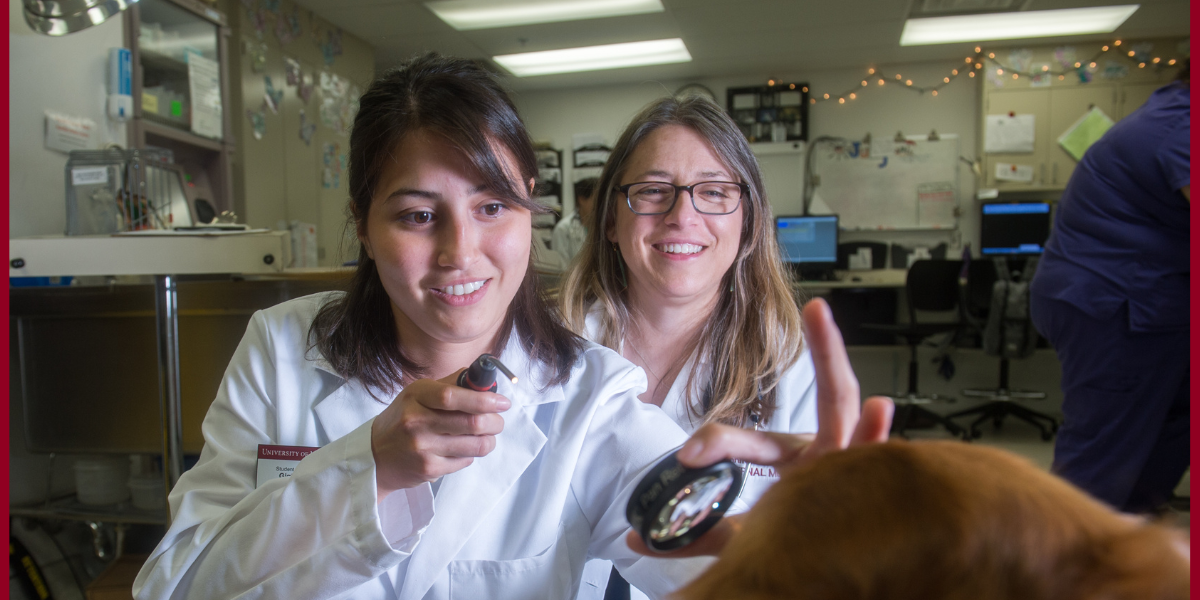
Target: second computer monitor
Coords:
[[1019, 228], [808, 243]]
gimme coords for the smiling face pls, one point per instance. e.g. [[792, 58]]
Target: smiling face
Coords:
[[450, 253], [679, 257]]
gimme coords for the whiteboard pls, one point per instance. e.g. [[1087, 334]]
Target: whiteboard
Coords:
[[888, 185]]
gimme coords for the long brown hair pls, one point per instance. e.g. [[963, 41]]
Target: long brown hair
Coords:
[[754, 333], [461, 102], [939, 521]]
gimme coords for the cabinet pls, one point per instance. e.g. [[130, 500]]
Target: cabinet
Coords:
[[180, 92], [1056, 107]]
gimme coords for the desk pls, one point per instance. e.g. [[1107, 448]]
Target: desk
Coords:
[[165, 257], [876, 278]]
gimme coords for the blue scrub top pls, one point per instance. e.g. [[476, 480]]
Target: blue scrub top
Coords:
[[1121, 229]]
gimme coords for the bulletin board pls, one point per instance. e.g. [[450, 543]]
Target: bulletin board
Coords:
[[910, 184]]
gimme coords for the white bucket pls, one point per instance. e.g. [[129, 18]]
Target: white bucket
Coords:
[[147, 492], [101, 480]]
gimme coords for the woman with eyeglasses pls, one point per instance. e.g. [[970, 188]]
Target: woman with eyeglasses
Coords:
[[683, 277]]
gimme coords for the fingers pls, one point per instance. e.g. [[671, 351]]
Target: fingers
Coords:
[[444, 394], [876, 421], [709, 544], [837, 387], [714, 442]]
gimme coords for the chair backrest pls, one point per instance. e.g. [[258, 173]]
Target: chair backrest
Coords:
[[932, 286], [1009, 332], [981, 278]]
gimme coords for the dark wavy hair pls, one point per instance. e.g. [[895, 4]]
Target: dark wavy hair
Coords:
[[466, 105]]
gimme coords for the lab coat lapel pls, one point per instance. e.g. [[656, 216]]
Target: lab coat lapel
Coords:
[[348, 406], [466, 498]]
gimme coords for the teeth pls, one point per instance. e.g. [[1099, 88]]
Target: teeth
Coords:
[[680, 248], [462, 288]]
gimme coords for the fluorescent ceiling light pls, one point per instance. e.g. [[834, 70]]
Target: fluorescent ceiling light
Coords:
[[465, 15], [1014, 25], [595, 58]]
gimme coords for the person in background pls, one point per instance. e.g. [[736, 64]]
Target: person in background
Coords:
[[682, 275], [571, 231], [416, 487], [1111, 296]]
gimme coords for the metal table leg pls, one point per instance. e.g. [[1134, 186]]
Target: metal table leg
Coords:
[[166, 315]]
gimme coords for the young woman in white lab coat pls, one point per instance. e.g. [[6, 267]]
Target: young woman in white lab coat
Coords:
[[683, 277], [419, 488]]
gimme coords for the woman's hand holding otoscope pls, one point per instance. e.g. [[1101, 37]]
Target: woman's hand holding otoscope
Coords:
[[437, 427]]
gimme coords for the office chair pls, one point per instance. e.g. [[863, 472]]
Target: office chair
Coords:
[[931, 286], [998, 307]]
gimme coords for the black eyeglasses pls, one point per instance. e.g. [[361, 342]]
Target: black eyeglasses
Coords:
[[708, 197]]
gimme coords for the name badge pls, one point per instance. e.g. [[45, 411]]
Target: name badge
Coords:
[[277, 462]]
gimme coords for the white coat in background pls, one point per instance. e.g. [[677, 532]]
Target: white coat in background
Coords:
[[795, 412], [517, 523]]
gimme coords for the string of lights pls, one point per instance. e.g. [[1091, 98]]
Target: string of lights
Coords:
[[975, 64]]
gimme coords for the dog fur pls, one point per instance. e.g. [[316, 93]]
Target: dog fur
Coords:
[[940, 521]]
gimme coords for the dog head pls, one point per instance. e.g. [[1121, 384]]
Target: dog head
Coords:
[[940, 521]]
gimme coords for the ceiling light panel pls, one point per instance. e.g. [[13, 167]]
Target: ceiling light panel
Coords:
[[467, 15], [1014, 25], [595, 58]]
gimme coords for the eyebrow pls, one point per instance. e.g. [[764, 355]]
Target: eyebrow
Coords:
[[428, 195], [656, 173]]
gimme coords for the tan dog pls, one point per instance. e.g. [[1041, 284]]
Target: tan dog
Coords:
[[940, 521]]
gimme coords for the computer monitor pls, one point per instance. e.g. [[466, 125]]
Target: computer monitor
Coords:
[[1014, 229], [809, 243]]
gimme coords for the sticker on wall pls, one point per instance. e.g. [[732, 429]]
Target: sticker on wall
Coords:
[[1114, 70], [339, 102], [1020, 60], [305, 89], [256, 52], [331, 47], [306, 129], [1141, 52], [1085, 76], [1041, 75], [287, 27], [332, 173], [1065, 55], [271, 97], [291, 69], [258, 19], [258, 122]]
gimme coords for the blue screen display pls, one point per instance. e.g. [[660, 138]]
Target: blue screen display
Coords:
[[808, 240], [1016, 228]]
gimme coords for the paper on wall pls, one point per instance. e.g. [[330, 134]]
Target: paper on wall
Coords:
[[1085, 132], [1008, 133], [1012, 172], [935, 204], [204, 83], [65, 133]]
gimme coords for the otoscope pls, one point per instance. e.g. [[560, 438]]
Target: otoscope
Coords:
[[481, 375]]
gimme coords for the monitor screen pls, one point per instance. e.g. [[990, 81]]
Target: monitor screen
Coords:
[[1018, 228], [808, 241]]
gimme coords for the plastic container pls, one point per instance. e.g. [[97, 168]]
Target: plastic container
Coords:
[[101, 481], [147, 492]]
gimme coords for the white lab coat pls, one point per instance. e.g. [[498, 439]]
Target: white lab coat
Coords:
[[517, 523], [795, 412]]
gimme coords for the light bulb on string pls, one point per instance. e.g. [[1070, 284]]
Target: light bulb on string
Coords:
[[934, 92], [1092, 65], [1104, 48], [908, 82], [770, 82], [871, 71], [826, 96], [1045, 67], [852, 96], [968, 59], [812, 101], [954, 72], [1131, 53], [1014, 75], [804, 89], [841, 100], [971, 73], [897, 77], [978, 49], [881, 82], [1171, 62], [946, 79], [864, 82], [1117, 43], [1156, 59], [991, 55], [978, 65], [999, 71], [1141, 65], [1077, 65]]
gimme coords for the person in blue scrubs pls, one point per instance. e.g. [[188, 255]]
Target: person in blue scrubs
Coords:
[[1111, 295]]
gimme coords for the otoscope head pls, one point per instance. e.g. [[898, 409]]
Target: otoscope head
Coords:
[[481, 375]]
